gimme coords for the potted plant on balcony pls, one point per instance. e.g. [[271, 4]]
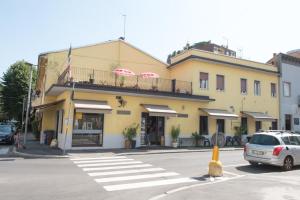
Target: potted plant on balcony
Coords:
[[122, 80], [175, 131], [129, 134]]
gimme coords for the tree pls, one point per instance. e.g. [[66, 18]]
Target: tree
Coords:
[[15, 88]]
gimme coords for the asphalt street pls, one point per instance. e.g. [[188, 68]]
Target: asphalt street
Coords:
[[152, 176]]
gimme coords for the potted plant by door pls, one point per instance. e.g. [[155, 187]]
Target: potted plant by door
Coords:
[[129, 135], [175, 131], [197, 138]]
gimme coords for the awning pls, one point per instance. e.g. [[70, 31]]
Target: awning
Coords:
[[47, 105], [219, 114], [159, 110], [258, 116], [87, 106]]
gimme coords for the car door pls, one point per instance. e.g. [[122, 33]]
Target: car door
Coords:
[[295, 145]]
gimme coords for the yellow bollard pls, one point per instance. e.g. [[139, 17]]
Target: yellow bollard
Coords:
[[215, 166]]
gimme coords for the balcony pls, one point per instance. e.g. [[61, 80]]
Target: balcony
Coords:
[[106, 79]]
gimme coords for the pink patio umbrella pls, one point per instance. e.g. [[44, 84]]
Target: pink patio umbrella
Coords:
[[149, 75], [123, 72], [152, 75]]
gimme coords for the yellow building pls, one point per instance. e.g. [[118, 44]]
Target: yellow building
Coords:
[[199, 91]]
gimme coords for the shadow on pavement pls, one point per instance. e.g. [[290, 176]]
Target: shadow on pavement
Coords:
[[262, 169]]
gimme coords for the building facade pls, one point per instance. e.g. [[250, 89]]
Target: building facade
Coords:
[[199, 91], [289, 67]]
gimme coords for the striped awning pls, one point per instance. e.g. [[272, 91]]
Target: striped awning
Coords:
[[159, 110], [87, 106], [258, 116], [48, 105], [219, 113]]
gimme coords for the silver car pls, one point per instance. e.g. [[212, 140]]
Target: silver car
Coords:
[[279, 148]]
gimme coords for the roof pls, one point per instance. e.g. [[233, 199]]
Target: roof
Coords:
[[101, 43]]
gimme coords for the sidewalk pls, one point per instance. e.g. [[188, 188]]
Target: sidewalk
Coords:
[[35, 149]]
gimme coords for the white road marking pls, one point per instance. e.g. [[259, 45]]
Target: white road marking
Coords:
[[107, 164], [231, 173], [126, 171], [116, 167], [192, 186], [148, 184], [101, 161], [97, 158], [235, 165], [144, 176]]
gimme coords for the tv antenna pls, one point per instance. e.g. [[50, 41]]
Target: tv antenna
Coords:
[[124, 25]]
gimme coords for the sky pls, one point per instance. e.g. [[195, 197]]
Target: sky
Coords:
[[254, 28]]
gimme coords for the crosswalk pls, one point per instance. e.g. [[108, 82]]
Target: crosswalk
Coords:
[[115, 173]]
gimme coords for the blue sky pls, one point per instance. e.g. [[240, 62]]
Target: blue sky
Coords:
[[259, 28]]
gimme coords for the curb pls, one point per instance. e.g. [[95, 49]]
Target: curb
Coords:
[[177, 151], [28, 155]]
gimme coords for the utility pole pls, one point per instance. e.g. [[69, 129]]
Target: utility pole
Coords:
[[124, 26], [28, 105]]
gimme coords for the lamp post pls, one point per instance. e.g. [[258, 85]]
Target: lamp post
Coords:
[[28, 104]]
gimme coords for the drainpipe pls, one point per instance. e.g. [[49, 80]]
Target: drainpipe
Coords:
[[278, 63]]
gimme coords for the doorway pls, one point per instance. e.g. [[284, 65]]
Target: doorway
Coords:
[[288, 122], [220, 125], [154, 127]]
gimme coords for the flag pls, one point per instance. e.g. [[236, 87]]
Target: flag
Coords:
[[69, 64]]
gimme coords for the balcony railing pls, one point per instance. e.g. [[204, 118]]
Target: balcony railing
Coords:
[[109, 79]]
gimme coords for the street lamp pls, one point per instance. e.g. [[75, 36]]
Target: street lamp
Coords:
[[28, 103]]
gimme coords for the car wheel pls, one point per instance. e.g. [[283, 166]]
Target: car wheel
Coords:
[[288, 163], [253, 163]]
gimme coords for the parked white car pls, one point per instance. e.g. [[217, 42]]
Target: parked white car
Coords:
[[279, 148]]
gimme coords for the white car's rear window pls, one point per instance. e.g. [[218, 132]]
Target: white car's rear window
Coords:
[[261, 139]]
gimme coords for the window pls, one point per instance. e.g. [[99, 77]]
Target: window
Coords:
[[243, 86], [295, 140], [257, 126], [88, 129], [257, 88], [286, 140], [203, 80], [274, 125], [264, 140], [220, 83], [244, 125], [221, 125], [203, 125], [273, 90], [286, 89]]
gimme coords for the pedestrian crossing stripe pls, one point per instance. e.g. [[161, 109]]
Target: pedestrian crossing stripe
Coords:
[[126, 171], [102, 161], [115, 167], [107, 164], [136, 177], [147, 184], [97, 158]]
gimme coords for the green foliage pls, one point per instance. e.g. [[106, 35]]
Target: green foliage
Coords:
[[196, 136], [175, 131], [130, 132], [240, 130], [15, 87]]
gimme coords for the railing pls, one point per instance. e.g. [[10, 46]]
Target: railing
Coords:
[[109, 79]]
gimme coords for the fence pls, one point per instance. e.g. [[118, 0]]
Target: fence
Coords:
[[106, 78]]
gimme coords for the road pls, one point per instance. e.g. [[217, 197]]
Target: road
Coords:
[[153, 176]]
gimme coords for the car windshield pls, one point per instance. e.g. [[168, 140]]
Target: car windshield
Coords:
[[261, 139], [5, 129]]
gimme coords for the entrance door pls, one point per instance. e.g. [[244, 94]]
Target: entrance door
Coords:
[[154, 128], [288, 122], [244, 125], [220, 125]]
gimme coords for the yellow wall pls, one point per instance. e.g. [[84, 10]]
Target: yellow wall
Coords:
[[104, 56]]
